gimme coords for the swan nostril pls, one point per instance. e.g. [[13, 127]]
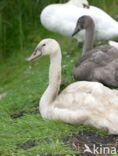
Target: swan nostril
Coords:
[[34, 53]]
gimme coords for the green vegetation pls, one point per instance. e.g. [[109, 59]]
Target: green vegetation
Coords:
[[19, 19], [23, 83]]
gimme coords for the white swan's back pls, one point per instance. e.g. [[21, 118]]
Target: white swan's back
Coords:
[[62, 19], [114, 44], [78, 3]]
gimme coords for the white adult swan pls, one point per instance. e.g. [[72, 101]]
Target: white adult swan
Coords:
[[62, 18], [114, 44], [81, 102], [77, 3], [97, 64]]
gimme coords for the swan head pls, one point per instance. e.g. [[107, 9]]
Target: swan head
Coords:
[[83, 22], [45, 47], [79, 3]]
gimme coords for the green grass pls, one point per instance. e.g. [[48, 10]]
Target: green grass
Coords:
[[19, 17], [24, 84]]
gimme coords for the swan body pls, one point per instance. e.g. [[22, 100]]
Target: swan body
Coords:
[[77, 3], [62, 18], [114, 44], [81, 102], [99, 64]]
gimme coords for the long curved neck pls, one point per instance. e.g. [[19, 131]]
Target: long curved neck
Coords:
[[54, 82], [78, 2], [89, 38]]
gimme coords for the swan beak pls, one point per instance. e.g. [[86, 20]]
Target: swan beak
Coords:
[[34, 56], [77, 29]]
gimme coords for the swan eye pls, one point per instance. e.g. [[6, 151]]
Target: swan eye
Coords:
[[43, 45], [80, 22]]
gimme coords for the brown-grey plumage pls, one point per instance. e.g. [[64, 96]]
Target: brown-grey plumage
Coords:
[[99, 64]]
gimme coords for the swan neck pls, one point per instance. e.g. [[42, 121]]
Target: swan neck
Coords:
[[89, 39], [55, 70], [54, 82]]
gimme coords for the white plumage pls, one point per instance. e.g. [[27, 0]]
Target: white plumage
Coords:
[[62, 18], [81, 102], [114, 44], [78, 3]]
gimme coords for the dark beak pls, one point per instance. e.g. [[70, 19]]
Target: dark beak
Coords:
[[77, 29], [36, 54]]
